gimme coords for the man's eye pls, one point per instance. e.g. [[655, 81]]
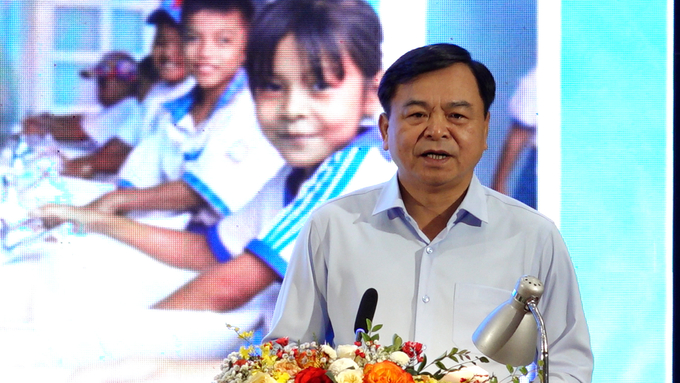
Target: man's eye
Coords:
[[456, 116], [225, 40], [417, 115]]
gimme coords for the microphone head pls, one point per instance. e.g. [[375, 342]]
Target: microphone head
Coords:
[[366, 309]]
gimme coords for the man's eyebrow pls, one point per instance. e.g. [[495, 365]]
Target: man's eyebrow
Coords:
[[449, 105], [458, 104], [415, 103]]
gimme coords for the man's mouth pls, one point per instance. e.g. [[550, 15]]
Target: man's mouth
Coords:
[[436, 155]]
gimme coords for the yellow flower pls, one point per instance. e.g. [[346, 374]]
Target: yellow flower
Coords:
[[260, 377], [281, 377], [425, 379], [245, 352]]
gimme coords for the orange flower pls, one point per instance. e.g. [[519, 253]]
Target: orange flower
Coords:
[[386, 372]]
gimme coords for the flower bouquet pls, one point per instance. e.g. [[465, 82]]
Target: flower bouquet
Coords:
[[282, 361]]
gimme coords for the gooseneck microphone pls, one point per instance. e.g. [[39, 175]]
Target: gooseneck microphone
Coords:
[[366, 311]]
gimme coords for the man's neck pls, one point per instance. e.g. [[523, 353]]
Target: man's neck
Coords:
[[432, 208]]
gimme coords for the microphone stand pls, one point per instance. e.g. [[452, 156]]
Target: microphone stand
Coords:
[[543, 356]]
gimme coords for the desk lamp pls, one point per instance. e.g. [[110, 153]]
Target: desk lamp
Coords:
[[509, 334]]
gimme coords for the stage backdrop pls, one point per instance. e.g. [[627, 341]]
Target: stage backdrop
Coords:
[[604, 91]]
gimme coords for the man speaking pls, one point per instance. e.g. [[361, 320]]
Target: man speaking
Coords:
[[441, 250]]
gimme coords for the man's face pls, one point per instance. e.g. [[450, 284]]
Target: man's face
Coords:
[[305, 118], [437, 129], [167, 54], [215, 47]]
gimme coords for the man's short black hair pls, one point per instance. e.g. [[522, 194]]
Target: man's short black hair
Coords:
[[190, 7], [323, 29], [431, 58]]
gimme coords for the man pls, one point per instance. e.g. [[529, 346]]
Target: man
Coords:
[[441, 250]]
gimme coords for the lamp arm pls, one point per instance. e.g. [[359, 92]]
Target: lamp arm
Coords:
[[532, 304]]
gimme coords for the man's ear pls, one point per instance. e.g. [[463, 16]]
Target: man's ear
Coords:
[[383, 124], [371, 102], [486, 130]]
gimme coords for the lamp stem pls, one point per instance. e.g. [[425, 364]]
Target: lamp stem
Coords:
[[533, 307]]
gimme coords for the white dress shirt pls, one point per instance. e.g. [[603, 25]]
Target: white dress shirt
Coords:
[[434, 292]]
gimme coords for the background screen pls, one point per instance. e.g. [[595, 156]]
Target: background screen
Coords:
[[75, 307]]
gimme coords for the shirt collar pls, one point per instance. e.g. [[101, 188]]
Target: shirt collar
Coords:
[[473, 209], [179, 107]]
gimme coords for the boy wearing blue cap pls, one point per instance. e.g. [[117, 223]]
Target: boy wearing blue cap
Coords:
[[116, 76]]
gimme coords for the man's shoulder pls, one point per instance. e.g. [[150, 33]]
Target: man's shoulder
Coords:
[[509, 209]]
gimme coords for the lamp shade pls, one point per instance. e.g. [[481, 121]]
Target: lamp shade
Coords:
[[509, 334]]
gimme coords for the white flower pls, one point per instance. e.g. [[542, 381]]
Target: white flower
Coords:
[[329, 351], [341, 365], [400, 358], [347, 351], [468, 374], [350, 376]]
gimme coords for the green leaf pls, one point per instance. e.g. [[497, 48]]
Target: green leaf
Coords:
[[484, 359], [453, 351], [376, 328], [422, 364], [330, 375], [397, 342], [509, 368], [453, 358], [440, 365], [524, 370]]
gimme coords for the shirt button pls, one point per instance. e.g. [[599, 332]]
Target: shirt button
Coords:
[[428, 250], [426, 298]]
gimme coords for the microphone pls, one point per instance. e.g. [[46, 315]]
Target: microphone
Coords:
[[366, 311]]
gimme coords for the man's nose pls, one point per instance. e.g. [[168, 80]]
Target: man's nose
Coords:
[[437, 127]]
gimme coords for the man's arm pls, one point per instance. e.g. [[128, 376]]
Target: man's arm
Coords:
[[518, 138], [174, 195], [223, 287], [180, 249], [108, 159], [571, 358]]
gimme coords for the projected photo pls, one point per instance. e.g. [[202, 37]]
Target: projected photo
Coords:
[[160, 158]]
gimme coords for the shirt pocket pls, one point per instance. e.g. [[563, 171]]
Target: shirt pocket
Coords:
[[471, 304]]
